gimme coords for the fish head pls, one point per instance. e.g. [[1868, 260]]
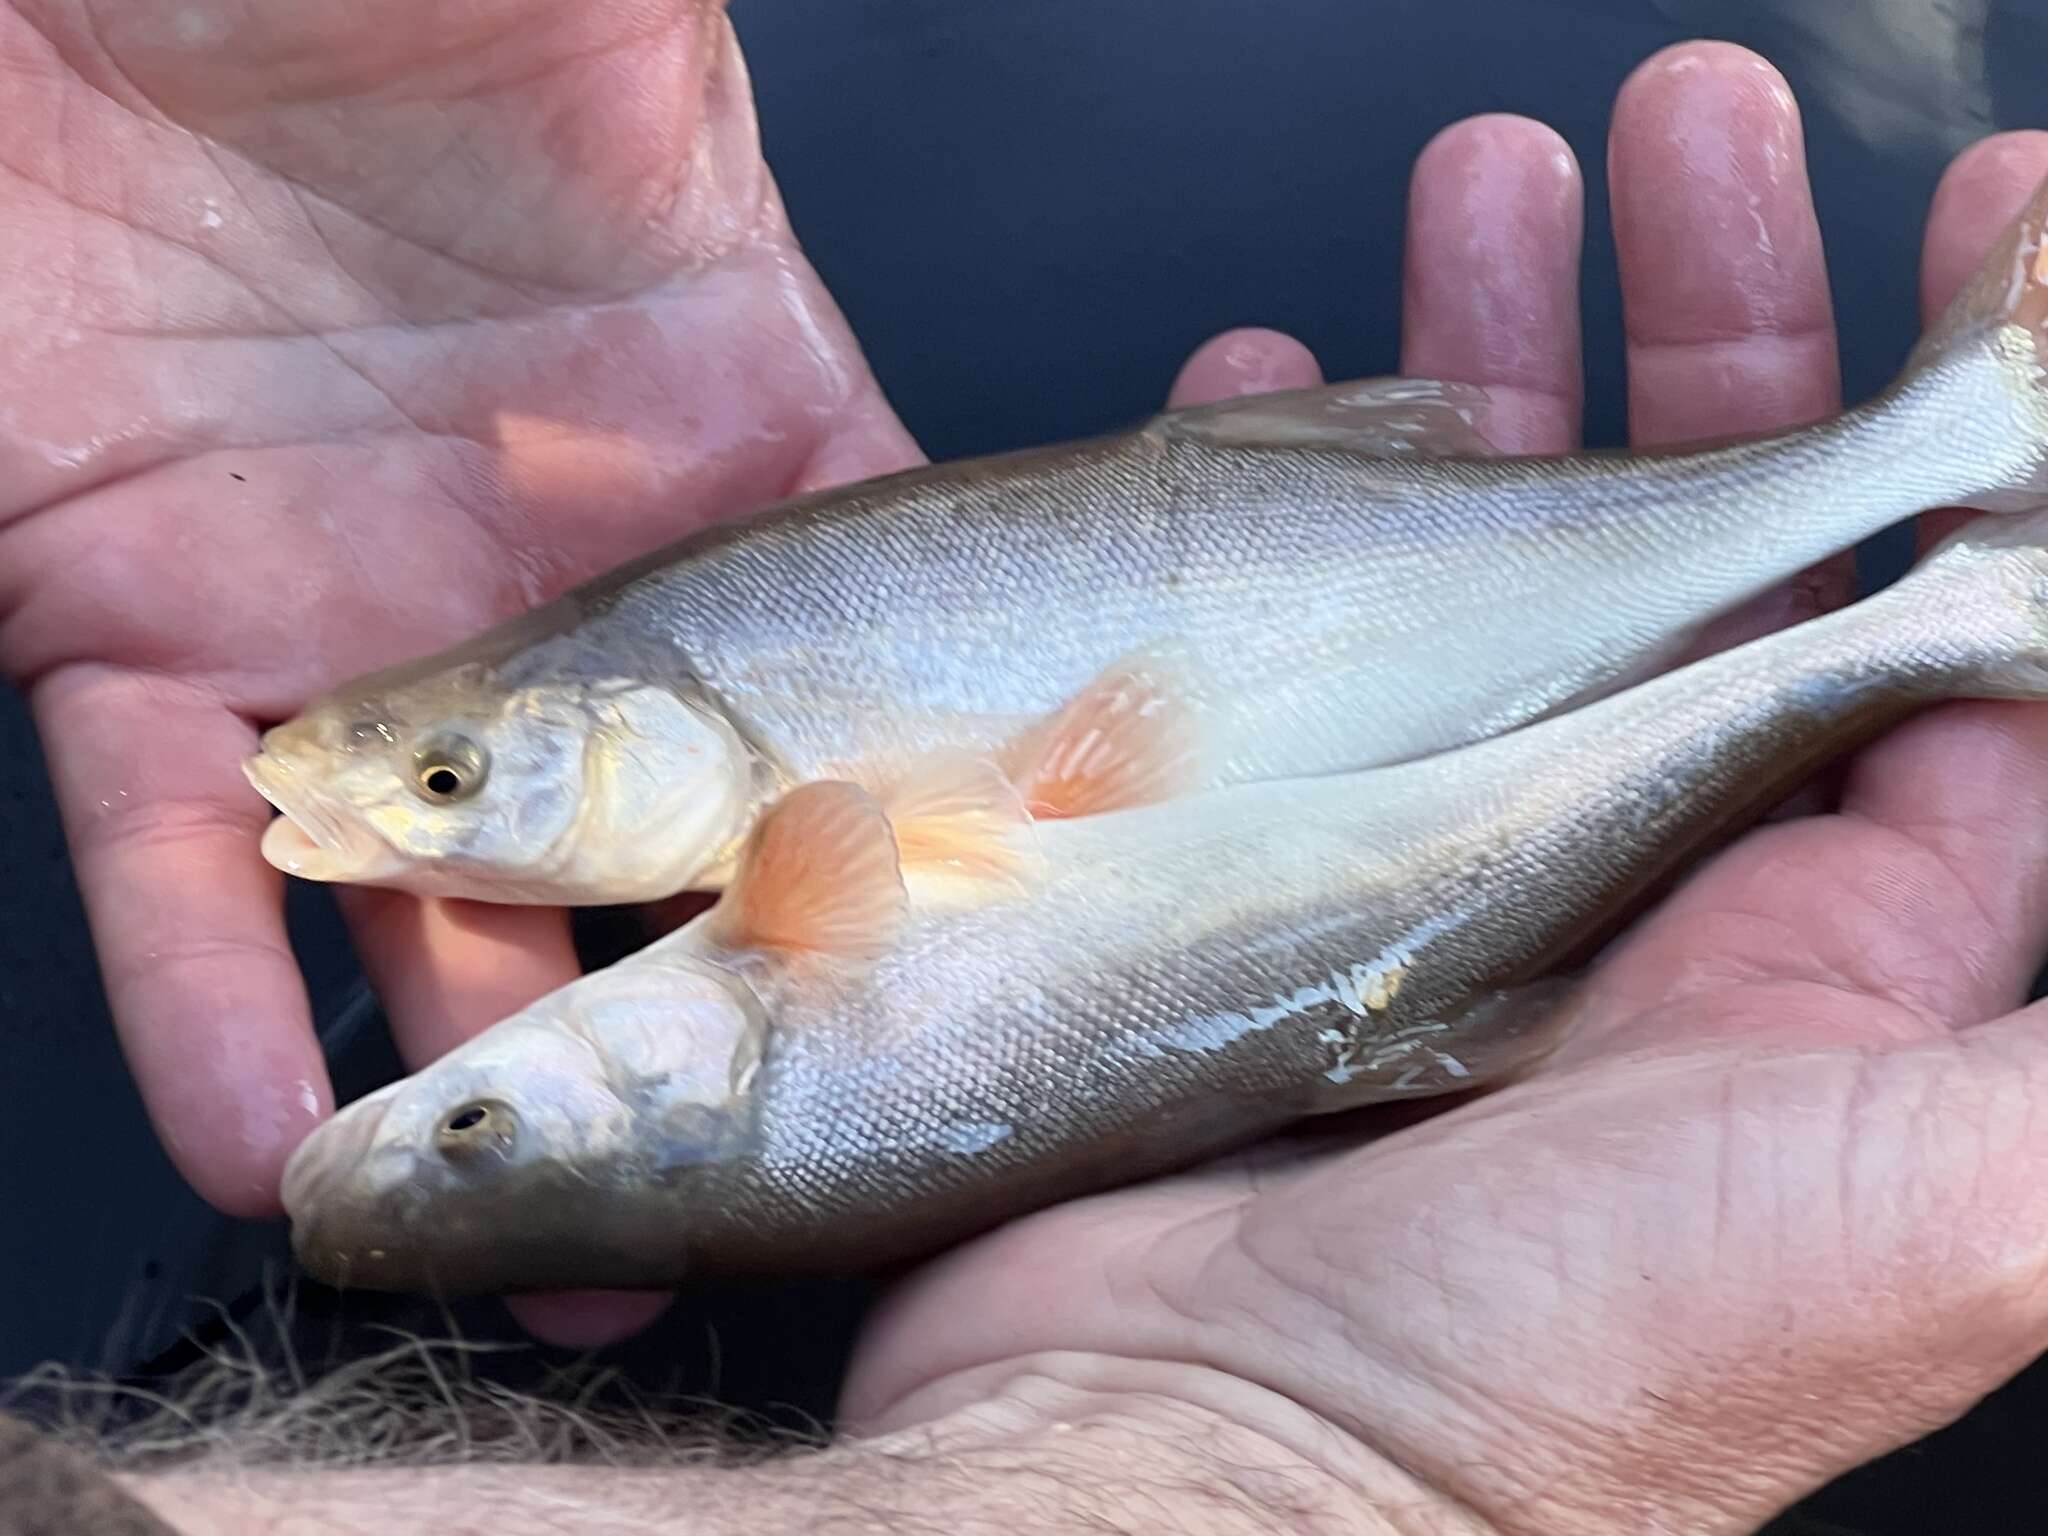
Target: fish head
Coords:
[[567, 1146], [549, 789]]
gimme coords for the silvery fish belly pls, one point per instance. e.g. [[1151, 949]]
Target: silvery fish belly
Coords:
[[1287, 585], [851, 1060]]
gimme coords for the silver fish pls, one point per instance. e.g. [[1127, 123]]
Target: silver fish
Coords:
[[848, 1062], [1282, 586]]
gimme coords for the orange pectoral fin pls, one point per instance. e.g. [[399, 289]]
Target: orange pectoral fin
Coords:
[[820, 874], [960, 816], [1128, 739]]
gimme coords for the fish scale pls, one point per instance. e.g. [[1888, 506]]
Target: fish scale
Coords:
[[1158, 1005], [1320, 581], [1329, 610], [1176, 982], [1434, 782]]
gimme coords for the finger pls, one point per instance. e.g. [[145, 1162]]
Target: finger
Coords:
[[1979, 194], [1490, 276], [188, 922], [1249, 361], [1724, 283], [1964, 789], [448, 970], [1932, 894], [588, 1319]]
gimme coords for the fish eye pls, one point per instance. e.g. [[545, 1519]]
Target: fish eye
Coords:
[[476, 1129], [448, 768]]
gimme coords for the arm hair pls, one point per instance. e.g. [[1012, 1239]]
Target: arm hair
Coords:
[[409, 1442]]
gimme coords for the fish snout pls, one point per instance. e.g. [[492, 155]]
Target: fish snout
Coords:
[[329, 1152], [313, 837], [342, 1226]]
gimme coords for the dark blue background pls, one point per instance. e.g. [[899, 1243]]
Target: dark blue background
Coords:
[[1030, 211]]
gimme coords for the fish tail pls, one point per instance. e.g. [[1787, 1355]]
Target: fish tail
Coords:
[[2000, 317]]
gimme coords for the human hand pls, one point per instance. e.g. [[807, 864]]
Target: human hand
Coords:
[[330, 335], [1777, 1205]]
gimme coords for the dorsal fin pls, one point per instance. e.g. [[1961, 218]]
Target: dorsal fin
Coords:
[[819, 875], [1389, 417]]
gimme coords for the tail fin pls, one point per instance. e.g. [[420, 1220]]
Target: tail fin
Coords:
[[2001, 315]]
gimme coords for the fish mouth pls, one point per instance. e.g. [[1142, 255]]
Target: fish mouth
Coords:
[[306, 839]]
